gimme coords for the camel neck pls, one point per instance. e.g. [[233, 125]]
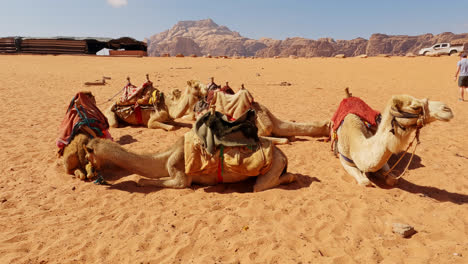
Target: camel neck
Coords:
[[370, 154]]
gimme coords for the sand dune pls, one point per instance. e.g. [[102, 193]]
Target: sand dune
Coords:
[[46, 216]]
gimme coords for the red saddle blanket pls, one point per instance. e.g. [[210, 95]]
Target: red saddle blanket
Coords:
[[354, 105], [82, 111]]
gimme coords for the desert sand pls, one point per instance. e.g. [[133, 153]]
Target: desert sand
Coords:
[[47, 216]]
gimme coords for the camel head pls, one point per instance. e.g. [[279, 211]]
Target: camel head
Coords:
[[197, 88], [91, 156], [411, 112]]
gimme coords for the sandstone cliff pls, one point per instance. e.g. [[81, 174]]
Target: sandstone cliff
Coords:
[[206, 37], [201, 38], [400, 45]]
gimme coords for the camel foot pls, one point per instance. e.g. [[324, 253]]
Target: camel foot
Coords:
[[89, 171], [288, 178], [391, 180], [79, 174], [171, 128], [141, 183], [366, 183]]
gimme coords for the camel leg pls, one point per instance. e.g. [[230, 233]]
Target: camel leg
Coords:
[[360, 176], [277, 141], [111, 118], [72, 163], [176, 169], [391, 179], [155, 124], [79, 174], [178, 182], [273, 177]]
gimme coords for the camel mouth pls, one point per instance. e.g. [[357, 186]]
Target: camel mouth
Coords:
[[439, 111], [445, 114]]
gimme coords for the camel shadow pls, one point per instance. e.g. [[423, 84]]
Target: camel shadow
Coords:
[[302, 181], [115, 173], [432, 192], [424, 191], [126, 139], [415, 163]]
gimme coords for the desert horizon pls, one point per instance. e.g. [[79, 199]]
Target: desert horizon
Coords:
[[49, 216]]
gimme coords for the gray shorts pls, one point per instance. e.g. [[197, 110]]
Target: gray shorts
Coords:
[[463, 81]]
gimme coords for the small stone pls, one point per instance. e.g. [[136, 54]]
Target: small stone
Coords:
[[4, 200], [73, 188], [404, 230]]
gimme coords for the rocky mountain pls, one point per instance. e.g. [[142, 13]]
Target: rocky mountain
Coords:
[[324, 47], [201, 38], [205, 37], [402, 44]]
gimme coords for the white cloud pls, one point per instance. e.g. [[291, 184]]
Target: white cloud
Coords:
[[117, 3]]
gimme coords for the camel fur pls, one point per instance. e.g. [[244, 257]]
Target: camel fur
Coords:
[[170, 164], [74, 158], [176, 105], [370, 150], [275, 129]]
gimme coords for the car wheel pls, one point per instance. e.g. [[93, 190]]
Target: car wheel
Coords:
[[453, 52]]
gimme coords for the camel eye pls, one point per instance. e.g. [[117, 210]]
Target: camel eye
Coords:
[[416, 108]]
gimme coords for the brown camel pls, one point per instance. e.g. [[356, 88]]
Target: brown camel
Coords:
[[170, 164], [176, 105], [362, 151], [277, 130], [86, 116], [74, 158]]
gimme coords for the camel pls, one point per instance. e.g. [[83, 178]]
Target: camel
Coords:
[[74, 158], [82, 122], [170, 164], [177, 105], [363, 150], [269, 126]]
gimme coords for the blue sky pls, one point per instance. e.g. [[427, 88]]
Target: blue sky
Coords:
[[251, 18]]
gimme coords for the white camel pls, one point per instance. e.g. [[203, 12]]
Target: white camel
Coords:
[[362, 151]]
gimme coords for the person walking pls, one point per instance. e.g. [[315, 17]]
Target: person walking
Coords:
[[462, 69]]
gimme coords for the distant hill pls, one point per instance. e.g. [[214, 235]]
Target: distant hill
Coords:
[[201, 38], [205, 37]]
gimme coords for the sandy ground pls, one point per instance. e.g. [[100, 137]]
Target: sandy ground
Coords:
[[47, 216]]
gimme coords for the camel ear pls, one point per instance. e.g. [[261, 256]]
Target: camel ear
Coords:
[[395, 109], [88, 150], [189, 83]]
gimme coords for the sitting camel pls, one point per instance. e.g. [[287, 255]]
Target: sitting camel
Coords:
[[364, 150], [83, 121], [269, 125], [167, 108], [188, 160]]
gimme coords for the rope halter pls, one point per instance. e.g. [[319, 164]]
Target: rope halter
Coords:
[[420, 122]]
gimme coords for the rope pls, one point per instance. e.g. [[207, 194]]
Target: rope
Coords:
[[110, 99], [416, 137]]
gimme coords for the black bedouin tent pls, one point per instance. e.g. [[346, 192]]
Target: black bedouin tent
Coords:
[[67, 45]]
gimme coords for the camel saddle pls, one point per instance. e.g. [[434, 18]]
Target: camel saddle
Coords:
[[354, 105], [233, 105], [215, 130], [242, 160], [82, 116], [155, 102]]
